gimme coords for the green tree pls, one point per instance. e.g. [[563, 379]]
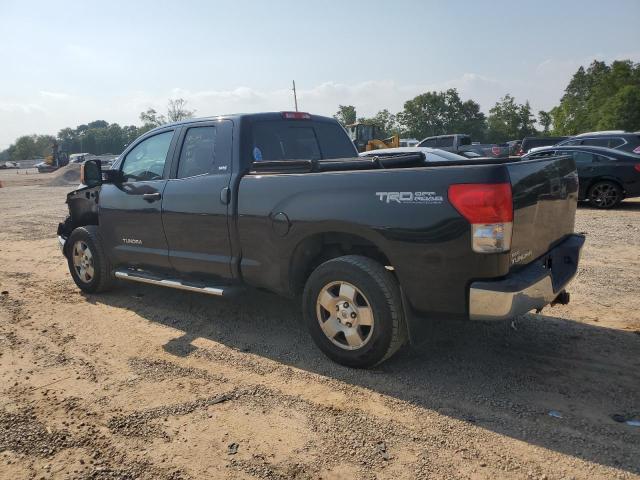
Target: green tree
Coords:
[[545, 119], [599, 97], [177, 110], [509, 120], [32, 146], [151, 118], [439, 113], [346, 114], [386, 122]]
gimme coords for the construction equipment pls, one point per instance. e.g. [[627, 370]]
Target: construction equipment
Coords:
[[57, 158], [368, 137]]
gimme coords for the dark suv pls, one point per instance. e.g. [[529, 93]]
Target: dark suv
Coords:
[[606, 176], [619, 140]]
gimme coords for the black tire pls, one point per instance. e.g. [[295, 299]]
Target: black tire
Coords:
[[378, 289], [605, 194], [102, 278]]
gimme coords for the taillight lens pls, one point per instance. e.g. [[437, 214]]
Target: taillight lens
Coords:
[[495, 150], [636, 167], [489, 210]]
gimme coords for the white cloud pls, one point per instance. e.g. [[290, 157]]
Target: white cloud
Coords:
[[54, 95]]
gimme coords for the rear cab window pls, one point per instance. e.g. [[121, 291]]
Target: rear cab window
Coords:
[[299, 140]]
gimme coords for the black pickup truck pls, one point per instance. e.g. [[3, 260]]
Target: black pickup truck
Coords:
[[374, 247]]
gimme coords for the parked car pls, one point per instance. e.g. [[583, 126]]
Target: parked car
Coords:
[[459, 143], [529, 143], [616, 139], [44, 167], [430, 154], [372, 246], [607, 176]]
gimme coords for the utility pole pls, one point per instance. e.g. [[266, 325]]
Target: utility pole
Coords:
[[295, 97]]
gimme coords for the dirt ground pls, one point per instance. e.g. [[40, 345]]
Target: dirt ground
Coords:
[[151, 383]]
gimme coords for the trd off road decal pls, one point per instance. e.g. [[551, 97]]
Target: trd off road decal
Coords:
[[425, 198]]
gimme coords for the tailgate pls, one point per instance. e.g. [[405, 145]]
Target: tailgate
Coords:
[[545, 195]]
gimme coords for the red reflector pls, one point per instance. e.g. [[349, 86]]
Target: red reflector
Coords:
[[636, 167], [483, 202], [296, 116], [495, 150]]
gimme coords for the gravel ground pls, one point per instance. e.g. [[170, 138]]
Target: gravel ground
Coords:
[[150, 383]]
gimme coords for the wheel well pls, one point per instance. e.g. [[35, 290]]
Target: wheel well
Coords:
[[317, 249], [604, 179]]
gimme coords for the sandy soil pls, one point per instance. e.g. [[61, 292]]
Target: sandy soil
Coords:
[[150, 383]]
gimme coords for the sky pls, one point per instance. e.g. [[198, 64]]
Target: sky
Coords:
[[64, 63]]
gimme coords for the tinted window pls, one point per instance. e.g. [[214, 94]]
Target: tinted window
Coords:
[[464, 141], [596, 142], [582, 158], [198, 152], [299, 140], [572, 142], [615, 142], [333, 142], [146, 161], [430, 142]]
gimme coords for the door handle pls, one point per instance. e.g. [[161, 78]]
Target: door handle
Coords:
[[152, 197], [225, 195]]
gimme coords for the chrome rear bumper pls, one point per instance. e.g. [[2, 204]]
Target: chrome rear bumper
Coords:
[[532, 288]]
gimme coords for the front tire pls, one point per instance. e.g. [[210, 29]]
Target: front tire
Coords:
[[88, 264], [605, 195], [353, 311]]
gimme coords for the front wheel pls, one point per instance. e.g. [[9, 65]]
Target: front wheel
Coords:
[[605, 195], [88, 265], [353, 310]]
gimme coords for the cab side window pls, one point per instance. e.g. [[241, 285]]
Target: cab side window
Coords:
[[197, 156], [146, 161], [582, 158]]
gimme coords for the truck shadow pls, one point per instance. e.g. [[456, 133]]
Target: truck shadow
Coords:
[[498, 377]]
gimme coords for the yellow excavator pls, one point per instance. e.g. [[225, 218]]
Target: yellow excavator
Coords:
[[368, 137]]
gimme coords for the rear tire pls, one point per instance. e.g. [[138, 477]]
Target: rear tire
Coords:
[[88, 264], [605, 194], [353, 310]]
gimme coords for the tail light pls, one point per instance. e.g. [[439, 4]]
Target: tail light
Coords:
[[636, 167], [496, 150], [296, 116], [489, 210]]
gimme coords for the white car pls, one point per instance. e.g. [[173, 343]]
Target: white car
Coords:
[[430, 154]]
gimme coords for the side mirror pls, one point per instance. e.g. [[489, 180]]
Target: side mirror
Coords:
[[91, 173]]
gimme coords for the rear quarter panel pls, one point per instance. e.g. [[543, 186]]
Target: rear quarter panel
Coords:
[[425, 239]]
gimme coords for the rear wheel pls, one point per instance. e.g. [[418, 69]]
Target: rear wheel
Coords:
[[88, 265], [605, 194], [353, 311]]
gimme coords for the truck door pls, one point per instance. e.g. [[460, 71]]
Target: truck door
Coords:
[[130, 210], [196, 200]]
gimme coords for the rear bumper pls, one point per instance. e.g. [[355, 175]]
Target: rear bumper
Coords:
[[533, 287]]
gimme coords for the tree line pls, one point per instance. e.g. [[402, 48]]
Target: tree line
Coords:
[[98, 137], [599, 97]]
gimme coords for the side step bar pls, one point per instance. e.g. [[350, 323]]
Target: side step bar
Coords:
[[146, 278]]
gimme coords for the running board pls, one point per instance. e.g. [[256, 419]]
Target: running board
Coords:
[[150, 279]]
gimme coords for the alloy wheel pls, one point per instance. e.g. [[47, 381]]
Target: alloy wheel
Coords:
[[345, 315], [83, 261]]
